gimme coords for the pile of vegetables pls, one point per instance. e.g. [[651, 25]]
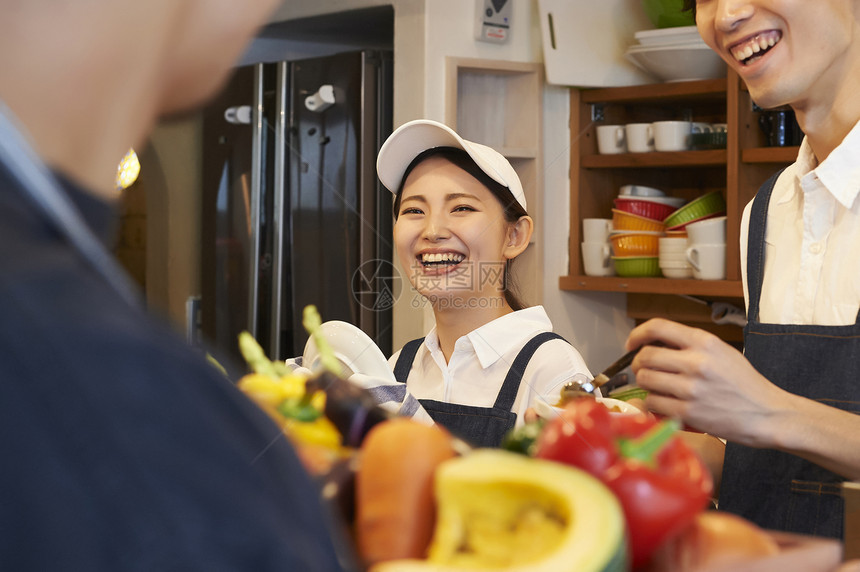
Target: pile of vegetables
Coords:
[[296, 403], [590, 491]]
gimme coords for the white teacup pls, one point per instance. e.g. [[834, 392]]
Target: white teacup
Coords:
[[672, 135], [640, 137], [672, 245], [676, 271], [596, 259], [673, 257], [708, 261], [611, 139], [596, 229], [708, 231]]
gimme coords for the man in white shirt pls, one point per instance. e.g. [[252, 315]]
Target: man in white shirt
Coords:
[[788, 406]]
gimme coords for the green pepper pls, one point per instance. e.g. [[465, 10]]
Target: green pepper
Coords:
[[300, 408], [522, 439]]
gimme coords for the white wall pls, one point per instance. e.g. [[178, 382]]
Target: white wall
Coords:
[[171, 173], [595, 322]]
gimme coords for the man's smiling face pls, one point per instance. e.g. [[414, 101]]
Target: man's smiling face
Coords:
[[785, 51]]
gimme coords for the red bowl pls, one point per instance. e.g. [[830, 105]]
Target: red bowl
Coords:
[[648, 209]]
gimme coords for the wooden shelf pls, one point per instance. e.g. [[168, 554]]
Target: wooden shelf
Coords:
[[686, 91], [736, 171], [770, 154], [726, 288], [656, 159]]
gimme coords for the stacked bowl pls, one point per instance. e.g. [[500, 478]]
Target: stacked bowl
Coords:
[[675, 54], [707, 206], [637, 222], [673, 257]]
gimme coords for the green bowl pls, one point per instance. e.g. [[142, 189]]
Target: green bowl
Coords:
[[636, 266], [668, 13], [708, 204]]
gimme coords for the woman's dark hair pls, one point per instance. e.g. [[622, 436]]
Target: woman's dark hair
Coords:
[[513, 210]]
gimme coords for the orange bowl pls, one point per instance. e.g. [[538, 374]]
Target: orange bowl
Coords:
[[628, 221], [635, 243], [676, 233]]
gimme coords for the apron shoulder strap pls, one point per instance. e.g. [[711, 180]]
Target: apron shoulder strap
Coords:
[[511, 385], [756, 244], [405, 359]]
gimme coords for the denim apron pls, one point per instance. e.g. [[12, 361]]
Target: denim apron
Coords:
[[479, 426], [777, 490]]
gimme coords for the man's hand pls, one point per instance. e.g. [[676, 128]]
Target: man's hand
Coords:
[[706, 383]]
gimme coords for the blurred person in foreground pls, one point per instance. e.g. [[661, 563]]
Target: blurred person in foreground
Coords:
[[788, 406], [122, 448]]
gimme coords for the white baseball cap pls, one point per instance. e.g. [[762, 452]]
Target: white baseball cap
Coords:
[[413, 138]]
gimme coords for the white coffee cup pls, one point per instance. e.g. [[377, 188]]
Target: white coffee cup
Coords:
[[596, 229], [708, 261], [611, 139], [708, 231], [640, 137], [672, 135], [596, 259], [719, 127]]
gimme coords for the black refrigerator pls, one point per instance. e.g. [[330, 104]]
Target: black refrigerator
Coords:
[[293, 213]]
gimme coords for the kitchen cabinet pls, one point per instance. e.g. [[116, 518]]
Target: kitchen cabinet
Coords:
[[737, 171], [499, 104]]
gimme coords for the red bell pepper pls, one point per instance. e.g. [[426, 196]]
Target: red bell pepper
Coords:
[[661, 483]]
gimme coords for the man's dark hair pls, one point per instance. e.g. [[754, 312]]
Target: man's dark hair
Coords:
[[690, 6]]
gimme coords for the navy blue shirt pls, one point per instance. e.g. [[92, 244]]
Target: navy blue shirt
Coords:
[[121, 448]]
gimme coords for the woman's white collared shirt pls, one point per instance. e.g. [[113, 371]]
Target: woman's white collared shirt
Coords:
[[482, 358]]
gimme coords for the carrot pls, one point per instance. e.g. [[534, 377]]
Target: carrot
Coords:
[[395, 507]]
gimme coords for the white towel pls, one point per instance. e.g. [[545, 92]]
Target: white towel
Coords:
[[390, 395]]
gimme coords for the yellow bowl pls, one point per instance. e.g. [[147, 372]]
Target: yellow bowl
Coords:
[[635, 243], [628, 221]]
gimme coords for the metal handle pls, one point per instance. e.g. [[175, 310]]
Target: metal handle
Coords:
[[278, 216], [255, 199]]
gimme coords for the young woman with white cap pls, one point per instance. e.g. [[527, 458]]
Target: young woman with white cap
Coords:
[[460, 220]]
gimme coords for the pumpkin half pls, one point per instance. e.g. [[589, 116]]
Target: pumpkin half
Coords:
[[503, 511]]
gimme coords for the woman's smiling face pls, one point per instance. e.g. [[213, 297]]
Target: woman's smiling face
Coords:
[[451, 235], [786, 51]]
